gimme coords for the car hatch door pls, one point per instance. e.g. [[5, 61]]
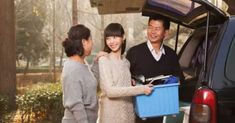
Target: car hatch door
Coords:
[[189, 13]]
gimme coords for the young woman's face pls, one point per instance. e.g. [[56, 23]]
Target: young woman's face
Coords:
[[114, 43], [87, 45]]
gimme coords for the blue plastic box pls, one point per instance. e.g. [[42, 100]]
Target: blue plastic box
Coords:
[[164, 100]]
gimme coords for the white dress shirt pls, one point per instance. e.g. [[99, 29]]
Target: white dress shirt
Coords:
[[156, 55]]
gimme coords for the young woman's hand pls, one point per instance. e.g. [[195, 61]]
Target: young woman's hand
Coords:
[[148, 89]]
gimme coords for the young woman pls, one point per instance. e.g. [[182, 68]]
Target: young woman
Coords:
[[116, 105], [78, 83]]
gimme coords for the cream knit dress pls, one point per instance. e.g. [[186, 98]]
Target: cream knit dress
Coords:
[[116, 104]]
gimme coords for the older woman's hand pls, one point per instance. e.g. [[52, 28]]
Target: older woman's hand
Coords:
[[99, 54]]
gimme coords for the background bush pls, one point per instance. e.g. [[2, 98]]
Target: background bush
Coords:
[[3, 106], [41, 103]]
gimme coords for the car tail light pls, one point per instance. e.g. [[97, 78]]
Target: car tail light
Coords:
[[203, 108]]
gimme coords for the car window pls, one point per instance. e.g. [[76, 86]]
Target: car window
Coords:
[[230, 66]]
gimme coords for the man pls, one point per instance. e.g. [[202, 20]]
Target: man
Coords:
[[153, 58]]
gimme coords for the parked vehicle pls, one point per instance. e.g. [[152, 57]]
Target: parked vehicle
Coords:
[[207, 58]]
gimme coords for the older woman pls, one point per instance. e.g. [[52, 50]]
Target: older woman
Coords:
[[79, 84]]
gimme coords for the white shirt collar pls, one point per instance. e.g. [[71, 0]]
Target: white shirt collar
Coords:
[[156, 56]]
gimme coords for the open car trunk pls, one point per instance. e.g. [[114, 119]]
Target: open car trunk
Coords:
[[194, 54], [192, 58]]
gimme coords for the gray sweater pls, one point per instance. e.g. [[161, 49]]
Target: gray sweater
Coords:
[[79, 93]]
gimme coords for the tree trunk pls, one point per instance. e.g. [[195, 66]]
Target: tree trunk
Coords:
[[75, 12], [53, 45], [102, 32], [26, 67], [62, 58], [7, 51]]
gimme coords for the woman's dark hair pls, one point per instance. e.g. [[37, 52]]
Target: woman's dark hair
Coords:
[[73, 44], [165, 21], [114, 29]]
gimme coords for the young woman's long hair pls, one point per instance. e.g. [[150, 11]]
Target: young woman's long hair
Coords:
[[116, 30]]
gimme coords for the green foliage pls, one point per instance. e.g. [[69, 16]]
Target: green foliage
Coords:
[[6, 116], [3, 106], [32, 45], [41, 103]]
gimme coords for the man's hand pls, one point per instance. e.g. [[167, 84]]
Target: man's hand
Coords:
[[133, 82]]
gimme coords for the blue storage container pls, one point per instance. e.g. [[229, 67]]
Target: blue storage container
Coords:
[[164, 100]]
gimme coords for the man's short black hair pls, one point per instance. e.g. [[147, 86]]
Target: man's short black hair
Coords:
[[166, 22]]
